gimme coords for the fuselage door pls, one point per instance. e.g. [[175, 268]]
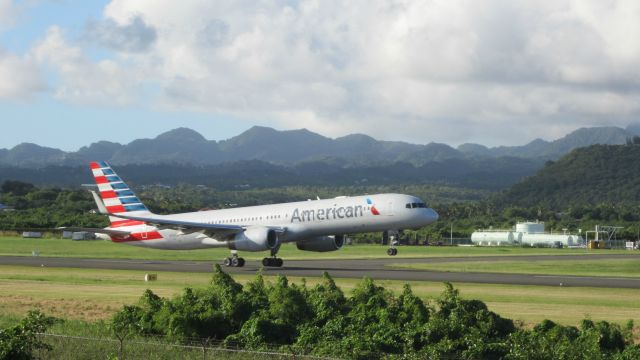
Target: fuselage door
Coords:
[[388, 210]]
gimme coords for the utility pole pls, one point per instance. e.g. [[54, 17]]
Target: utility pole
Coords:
[[451, 234]]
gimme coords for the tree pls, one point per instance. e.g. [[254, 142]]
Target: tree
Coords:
[[20, 341], [18, 188]]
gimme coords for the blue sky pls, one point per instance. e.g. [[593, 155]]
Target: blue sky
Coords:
[[46, 121], [488, 72]]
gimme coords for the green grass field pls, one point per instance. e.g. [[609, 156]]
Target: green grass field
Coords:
[[105, 249], [627, 267], [91, 294]]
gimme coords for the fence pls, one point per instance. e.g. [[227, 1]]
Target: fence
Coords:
[[79, 347]]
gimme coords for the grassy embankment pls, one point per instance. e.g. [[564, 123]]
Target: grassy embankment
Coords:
[[105, 249], [626, 267], [91, 294]]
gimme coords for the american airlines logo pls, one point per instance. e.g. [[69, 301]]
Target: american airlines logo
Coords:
[[332, 213], [374, 211]]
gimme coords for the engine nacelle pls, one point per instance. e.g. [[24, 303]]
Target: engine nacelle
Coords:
[[321, 243], [255, 238]]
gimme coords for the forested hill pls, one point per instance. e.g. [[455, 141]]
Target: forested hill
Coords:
[[490, 174], [586, 176]]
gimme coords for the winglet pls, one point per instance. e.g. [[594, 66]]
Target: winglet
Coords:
[[101, 208]]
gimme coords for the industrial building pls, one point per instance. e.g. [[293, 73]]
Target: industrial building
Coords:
[[525, 233]]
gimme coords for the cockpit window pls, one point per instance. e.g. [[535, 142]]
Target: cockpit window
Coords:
[[415, 205]]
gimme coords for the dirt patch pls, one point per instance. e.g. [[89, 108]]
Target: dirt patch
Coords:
[[89, 310]]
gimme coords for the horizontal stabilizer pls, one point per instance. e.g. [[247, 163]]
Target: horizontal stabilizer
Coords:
[[101, 208], [96, 230]]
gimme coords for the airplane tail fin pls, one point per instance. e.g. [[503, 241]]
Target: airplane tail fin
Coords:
[[115, 196]]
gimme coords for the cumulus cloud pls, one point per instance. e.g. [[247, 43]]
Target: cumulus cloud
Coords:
[[20, 77], [134, 36], [489, 71], [8, 14], [82, 80]]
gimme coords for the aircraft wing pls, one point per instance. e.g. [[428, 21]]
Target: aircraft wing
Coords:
[[212, 230]]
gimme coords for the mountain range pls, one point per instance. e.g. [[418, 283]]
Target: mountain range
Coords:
[[186, 146]]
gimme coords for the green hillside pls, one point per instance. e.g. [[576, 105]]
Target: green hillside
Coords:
[[586, 176]]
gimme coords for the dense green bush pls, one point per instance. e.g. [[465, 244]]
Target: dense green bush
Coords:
[[19, 342], [371, 323]]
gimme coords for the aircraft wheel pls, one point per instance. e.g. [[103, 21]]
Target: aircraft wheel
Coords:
[[235, 261], [392, 251], [226, 262], [266, 262], [278, 262], [240, 262]]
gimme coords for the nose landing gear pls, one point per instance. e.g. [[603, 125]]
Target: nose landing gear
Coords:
[[391, 237]]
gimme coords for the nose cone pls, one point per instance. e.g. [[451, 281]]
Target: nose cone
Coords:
[[432, 215]]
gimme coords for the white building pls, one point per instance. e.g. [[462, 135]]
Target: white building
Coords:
[[526, 233]]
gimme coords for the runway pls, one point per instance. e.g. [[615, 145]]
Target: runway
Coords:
[[348, 268]]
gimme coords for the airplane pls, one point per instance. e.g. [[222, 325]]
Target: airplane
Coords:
[[314, 225]]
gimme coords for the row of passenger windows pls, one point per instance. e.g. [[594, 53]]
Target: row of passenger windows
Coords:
[[415, 205], [273, 217], [270, 217]]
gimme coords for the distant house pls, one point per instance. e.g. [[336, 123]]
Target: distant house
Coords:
[[4, 207]]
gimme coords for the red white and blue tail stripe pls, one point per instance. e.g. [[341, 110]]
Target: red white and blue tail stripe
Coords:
[[116, 195]]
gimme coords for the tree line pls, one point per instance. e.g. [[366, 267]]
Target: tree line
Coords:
[[50, 207]]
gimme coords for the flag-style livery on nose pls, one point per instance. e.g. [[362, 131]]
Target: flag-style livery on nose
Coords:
[[117, 196]]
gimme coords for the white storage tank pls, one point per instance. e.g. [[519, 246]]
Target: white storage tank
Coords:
[[551, 239], [530, 227], [494, 238]]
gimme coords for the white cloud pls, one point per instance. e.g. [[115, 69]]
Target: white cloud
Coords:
[[9, 13], [80, 80], [135, 36], [454, 71], [20, 77]]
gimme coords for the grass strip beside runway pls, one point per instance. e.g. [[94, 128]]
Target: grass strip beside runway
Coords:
[[94, 294], [584, 267], [15, 246]]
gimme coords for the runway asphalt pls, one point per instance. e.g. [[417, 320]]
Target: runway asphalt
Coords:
[[348, 268]]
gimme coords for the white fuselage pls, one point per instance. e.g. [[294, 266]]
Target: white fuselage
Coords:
[[297, 220]]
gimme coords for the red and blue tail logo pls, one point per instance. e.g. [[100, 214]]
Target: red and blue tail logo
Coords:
[[116, 195], [374, 211]]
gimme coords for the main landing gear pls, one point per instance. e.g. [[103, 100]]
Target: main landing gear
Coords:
[[233, 261], [273, 261]]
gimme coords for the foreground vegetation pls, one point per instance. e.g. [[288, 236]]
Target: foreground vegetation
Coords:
[[372, 322], [95, 294]]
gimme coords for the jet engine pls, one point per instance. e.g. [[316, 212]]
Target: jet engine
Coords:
[[255, 238], [321, 243]]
